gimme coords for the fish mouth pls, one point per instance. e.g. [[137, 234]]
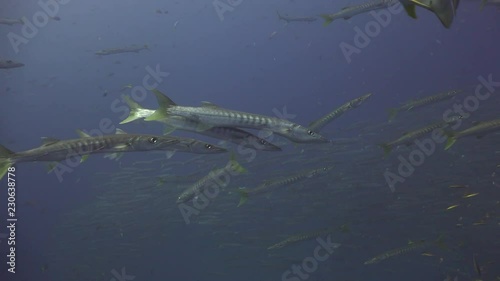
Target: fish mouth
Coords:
[[320, 139]]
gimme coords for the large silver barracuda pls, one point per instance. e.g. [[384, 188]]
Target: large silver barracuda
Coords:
[[210, 115], [183, 145], [234, 135], [54, 150], [232, 168], [319, 124], [268, 185], [479, 130]]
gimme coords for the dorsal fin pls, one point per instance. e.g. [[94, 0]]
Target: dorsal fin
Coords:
[[163, 100], [82, 134], [208, 104], [120, 132], [48, 141]]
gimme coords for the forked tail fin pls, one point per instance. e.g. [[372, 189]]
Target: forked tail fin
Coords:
[[5, 161]]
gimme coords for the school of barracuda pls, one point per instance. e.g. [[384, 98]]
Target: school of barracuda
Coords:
[[365, 184], [152, 189]]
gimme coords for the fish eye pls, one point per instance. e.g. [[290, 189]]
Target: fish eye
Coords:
[[311, 133], [263, 141], [153, 140], [208, 146]]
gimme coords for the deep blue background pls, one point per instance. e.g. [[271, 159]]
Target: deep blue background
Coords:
[[232, 63]]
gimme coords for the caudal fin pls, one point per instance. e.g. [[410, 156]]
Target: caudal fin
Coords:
[[386, 147], [135, 109], [445, 10], [162, 112], [482, 4], [279, 16], [410, 10], [328, 19], [450, 141], [5, 162], [235, 166], [243, 197]]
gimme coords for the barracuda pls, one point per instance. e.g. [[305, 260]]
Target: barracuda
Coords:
[[231, 168], [6, 64], [266, 186], [479, 130], [412, 246], [407, 138], [302, 237], [53, 150], [350, 11], [11, 21], [234, 135], [210, 115], [289, 19], [423, 102], [319, 124], [112, 51]]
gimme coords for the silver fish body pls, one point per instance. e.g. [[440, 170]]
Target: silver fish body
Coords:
[[210, 115]]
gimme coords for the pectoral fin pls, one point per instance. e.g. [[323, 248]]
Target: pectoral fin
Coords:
[[410, 10]]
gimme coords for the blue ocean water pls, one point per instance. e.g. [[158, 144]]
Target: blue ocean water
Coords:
[[118, 220]]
